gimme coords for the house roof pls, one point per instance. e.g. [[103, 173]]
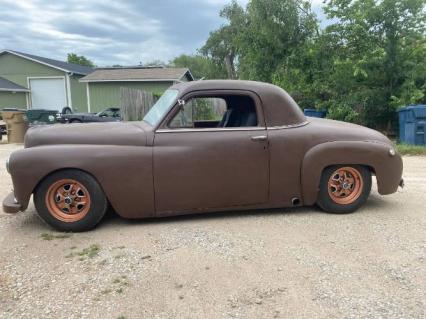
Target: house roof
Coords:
[[60, 65], [9, 86], [146, 74]]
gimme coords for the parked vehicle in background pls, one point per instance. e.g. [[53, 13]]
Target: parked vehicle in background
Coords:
[[204, 146], [111, 114]]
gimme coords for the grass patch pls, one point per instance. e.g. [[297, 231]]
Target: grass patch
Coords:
[[406, 149], [89, 252], [47, 236]]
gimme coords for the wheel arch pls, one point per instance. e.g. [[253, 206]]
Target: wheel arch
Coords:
[[373, 155], [43, 178]]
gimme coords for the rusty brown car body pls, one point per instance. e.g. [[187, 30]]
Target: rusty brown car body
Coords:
[[148, 169]]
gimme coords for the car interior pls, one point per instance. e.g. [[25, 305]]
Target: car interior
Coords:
[[217, 112]]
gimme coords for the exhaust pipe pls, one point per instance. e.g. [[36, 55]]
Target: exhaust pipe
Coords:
[[295, 201]]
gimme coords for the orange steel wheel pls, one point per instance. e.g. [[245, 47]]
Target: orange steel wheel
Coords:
[[68, 200], [345, 185]]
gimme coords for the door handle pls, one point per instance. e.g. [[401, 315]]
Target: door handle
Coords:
[[259, 138]]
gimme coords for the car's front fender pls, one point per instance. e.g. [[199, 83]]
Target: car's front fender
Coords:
[[123, 172], [376, 155]]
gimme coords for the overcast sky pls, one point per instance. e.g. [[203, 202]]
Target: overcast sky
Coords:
[[122, 32]]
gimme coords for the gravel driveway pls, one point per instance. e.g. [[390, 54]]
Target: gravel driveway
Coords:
[[286, 263]]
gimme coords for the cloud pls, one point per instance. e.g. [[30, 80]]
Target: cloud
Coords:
[[122, 32], [119, 32]]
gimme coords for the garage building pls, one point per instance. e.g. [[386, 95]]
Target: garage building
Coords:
[[34, 82]]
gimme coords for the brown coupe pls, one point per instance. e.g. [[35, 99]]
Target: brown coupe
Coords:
[[204, 146]]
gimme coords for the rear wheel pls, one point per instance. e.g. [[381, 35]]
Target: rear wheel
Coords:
[[70, 200], [344, 188], [66, 110]]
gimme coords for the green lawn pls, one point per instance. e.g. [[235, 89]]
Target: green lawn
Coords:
[[405, 149]]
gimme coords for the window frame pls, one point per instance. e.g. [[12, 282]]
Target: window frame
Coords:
[[261, 125]]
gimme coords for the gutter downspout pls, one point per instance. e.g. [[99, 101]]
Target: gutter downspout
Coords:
[[88, 97], [69, 98]]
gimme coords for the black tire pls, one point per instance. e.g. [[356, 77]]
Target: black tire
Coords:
[[76, 121], [326, 202], [66, 110], [96, 197]]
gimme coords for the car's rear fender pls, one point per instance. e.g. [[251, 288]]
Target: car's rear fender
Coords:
[[375, 155], [124, 173]]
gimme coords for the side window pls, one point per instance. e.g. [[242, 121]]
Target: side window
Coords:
[[216, 112]]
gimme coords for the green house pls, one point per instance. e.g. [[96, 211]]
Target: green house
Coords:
[[103, 85], [33, 82]]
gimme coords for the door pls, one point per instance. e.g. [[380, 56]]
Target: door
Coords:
[[48, 93], [216, 167]]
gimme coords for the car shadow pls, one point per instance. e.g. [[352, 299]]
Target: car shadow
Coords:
[[373, 203], [112, 218]]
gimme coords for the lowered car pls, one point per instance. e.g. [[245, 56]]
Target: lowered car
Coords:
[[204, 146], [111, 114]]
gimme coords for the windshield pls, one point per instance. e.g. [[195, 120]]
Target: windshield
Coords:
[[157, 112]]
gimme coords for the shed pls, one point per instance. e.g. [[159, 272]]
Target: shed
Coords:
[[35, 82], [103, 85]]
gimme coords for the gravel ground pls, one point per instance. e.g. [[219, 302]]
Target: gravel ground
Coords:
[[286, 263]]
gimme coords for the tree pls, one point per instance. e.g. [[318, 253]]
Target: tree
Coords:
[[200, 66], [380, 43], [257, 40], [276, 29], [79, 59], [222, 44]]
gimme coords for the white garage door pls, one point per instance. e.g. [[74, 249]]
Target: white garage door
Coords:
[[48, 94]]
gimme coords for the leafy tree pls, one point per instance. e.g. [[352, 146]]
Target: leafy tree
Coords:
[[379, 58], [200, 66], [222, 44], [276, 29], [79, 59]]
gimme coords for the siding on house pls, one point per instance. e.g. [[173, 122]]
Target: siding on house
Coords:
[[78, 94], [10, 99], [107, 94], [17, 69]]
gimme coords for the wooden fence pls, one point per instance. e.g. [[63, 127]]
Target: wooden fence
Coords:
[[135, 103]]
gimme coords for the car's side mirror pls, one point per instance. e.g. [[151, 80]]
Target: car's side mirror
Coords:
[[181, 102]]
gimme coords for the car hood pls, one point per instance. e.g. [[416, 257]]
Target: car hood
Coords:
[[329, 130], [108, 133]]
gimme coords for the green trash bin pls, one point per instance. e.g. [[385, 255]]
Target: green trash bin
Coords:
[[41, 116]]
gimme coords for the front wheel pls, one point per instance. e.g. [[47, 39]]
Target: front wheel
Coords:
[[344, 188], [70, 200]]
